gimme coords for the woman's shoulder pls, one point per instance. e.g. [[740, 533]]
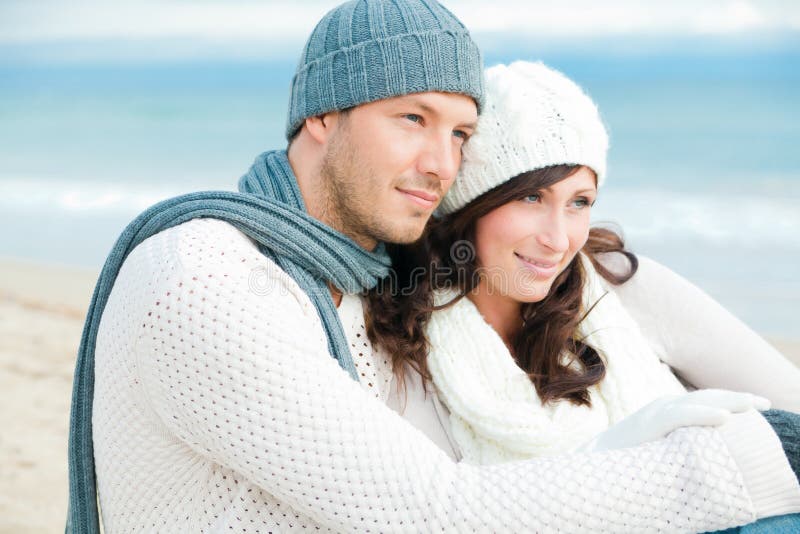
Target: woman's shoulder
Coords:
[[650, 275], [444, 296]]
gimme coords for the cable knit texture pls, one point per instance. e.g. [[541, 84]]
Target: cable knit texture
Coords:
[[534, 117], [219, 408], [495, 411]]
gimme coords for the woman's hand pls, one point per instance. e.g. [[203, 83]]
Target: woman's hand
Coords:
[[705, 407]]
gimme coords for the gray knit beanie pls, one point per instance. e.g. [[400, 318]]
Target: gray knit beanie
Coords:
[[367, 50]]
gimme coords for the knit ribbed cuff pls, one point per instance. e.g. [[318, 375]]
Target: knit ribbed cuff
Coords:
[[445, 61], [767, 475]]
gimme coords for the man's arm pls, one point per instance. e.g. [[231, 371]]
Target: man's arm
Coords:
[[700, 339], [243, 377]]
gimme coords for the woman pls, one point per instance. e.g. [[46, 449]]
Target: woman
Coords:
[[530, 345]]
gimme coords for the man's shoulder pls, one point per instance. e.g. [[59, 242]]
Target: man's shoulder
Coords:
[[200, 242], [206, 249]]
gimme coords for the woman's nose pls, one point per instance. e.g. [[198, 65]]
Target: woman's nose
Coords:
[[553, 233]]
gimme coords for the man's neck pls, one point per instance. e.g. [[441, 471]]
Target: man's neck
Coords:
[[336, 295], [317, 198]]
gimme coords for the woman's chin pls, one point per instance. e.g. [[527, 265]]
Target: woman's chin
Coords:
[[531, 294]]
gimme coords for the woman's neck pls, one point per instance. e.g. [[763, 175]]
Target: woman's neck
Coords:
[[500, 312]]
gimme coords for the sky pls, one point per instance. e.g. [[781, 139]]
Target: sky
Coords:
[[83, 29]]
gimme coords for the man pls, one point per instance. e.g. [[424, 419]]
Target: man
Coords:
[[217, 403]]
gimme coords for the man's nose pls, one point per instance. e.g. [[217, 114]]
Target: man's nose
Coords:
[[440, 158]]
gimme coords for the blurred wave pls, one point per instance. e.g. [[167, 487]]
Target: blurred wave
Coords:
[[735, 218], [704, 170]]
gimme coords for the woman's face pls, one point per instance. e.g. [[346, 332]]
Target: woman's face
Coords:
[[522, 246]]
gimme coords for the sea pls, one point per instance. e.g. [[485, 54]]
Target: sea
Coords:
[[704, 169]]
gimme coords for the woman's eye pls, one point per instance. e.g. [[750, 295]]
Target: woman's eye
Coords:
[[462, 135], [582, 202], [531, 198], [413, 117]]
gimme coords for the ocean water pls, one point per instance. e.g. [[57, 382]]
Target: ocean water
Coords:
[[704, 170]]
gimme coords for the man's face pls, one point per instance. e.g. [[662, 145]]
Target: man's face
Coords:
[[390, 162]]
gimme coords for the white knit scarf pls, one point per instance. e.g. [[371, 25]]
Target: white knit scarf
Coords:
[[496, 415]]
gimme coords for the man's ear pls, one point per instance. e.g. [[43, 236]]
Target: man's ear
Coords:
[[321, 127]]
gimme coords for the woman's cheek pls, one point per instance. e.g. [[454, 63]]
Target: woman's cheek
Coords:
[[579, 234]]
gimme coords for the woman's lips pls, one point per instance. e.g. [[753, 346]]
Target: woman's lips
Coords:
[[544, 269], [421, 198]]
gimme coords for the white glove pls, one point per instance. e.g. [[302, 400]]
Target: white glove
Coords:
[[704, 407]]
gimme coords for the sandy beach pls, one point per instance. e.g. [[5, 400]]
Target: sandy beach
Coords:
[[41, 317]]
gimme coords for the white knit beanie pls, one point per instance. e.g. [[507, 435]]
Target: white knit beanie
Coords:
[[534, 117]]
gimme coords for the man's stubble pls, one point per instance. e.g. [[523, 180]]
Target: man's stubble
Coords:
[[352, 192]]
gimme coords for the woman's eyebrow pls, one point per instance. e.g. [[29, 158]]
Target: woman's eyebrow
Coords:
[[549, 189]]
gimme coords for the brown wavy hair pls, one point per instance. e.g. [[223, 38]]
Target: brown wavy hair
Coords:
[[399, 308]]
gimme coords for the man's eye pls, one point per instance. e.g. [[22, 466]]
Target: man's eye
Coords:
[[413, 117]]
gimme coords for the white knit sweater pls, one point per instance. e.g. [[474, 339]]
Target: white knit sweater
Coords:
[[495, 411], [217, 408]]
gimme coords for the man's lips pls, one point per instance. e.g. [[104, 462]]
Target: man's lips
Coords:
[[425, 199]]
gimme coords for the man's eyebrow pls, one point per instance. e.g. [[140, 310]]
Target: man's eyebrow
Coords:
[[429, 110]]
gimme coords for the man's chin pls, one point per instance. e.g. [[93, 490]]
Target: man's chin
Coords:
[[401, 235]]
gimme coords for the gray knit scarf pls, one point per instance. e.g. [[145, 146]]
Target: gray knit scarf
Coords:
[[270, 210]]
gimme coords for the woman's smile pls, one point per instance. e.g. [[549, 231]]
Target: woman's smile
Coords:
[[543, 269]]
